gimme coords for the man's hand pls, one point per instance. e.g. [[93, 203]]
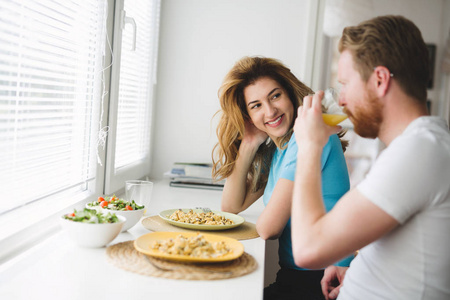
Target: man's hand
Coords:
[[332, 281], [309, 127]]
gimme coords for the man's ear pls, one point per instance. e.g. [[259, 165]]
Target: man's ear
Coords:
[[382, 78]]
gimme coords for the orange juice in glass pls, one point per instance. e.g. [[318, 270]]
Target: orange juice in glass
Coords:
[[333, 114], [333, 119]]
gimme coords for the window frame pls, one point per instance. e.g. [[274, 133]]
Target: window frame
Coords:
[[115, 179]]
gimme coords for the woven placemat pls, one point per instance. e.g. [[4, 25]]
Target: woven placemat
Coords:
[[125, 256], [244, 232]]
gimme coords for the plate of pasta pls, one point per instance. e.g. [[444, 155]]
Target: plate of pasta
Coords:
[[189, 246], [197, 219]]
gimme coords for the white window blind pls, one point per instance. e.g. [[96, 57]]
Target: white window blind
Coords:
[[135, 55], [50, 92]]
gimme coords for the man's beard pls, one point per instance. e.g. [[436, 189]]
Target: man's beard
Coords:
[[367, 119]]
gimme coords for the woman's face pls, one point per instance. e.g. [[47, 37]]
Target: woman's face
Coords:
[[269, 107]]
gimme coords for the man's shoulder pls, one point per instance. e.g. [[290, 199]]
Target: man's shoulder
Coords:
[[425, 134], [428, 126]]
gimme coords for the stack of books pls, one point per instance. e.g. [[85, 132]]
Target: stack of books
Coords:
[[193, 175]]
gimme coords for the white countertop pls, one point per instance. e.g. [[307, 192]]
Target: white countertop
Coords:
[[59, 269]]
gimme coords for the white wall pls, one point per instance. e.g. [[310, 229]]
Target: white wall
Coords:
[[200, 40]]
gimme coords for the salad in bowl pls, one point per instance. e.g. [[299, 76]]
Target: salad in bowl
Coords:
[[128, 209]]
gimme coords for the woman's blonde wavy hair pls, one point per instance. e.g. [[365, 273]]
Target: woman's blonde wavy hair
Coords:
[[233, 114]]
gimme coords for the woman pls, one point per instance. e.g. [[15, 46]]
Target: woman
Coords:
[[257, 153]]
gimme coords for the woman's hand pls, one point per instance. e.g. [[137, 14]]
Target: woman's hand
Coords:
[[253, 136], [309, 127], [332, 281]]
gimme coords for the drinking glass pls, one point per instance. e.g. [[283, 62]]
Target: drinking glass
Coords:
[[140, 191], [333, 114]]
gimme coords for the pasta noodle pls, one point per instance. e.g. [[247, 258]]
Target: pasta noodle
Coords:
[[192, 217], [196, 246]]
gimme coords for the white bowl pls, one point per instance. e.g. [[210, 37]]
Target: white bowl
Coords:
[[132, 216], [92, 235]]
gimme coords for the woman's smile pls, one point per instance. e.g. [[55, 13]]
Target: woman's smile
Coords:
[[275, 122]]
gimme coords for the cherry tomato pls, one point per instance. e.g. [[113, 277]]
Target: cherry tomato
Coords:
[[113, 198], [103, 203], [128, 207], [71, 215], [100, 199]]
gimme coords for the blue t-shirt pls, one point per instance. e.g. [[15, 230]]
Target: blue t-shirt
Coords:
[[335, 183]]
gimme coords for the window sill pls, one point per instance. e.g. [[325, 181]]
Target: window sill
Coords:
[[31, 224]]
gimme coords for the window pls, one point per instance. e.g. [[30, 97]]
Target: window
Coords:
[[54, 65], [128, 154]]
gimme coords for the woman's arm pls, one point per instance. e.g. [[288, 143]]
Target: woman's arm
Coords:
[[332, 281], [237, 195], [273, 219]]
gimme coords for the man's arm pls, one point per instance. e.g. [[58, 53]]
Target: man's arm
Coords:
[[320, 239], [353, 223]]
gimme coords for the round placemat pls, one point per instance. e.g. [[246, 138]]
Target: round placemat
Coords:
[[244, 232], [125, 256]]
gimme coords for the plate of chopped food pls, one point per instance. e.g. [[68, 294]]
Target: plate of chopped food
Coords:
[[189, 246], [201, 219]]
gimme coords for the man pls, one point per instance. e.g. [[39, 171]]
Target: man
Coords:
[[399, 215]]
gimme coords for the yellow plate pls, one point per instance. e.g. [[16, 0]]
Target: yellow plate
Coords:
[[238, 220], [144, 244]]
